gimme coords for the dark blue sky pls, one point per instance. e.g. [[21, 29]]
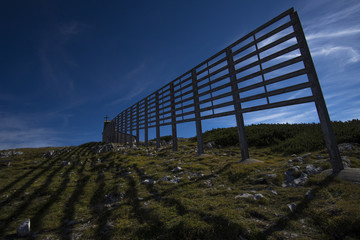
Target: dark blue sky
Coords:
[[66, 64]]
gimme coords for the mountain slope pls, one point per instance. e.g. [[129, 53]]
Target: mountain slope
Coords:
[[106, 191]]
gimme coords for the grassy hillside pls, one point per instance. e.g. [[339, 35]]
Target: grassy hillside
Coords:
[[285, 138], [147, 194]]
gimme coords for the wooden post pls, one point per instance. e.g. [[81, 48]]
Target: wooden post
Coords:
[[146, 124], [324, 118], [197, 113], [237, 106], [173, 118], [122, 128], [131, 127], [157, 121], [137, 125], [126, 127]]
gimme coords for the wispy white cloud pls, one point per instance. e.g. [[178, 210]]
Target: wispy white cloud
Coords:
[[135, 76], [134, 92], [333, 34], [346, 54], [16, 132], [332, 29]]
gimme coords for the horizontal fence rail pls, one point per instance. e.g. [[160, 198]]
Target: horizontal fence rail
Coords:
[[268, 68]]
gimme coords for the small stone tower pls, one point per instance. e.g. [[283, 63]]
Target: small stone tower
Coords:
[[109, 132], [111, 135]]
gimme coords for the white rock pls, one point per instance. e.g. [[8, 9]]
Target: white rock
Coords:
[[244, 195], [258, 196], [24, 228], [310, 169], [148, 181], [292, 207], [177, 169]]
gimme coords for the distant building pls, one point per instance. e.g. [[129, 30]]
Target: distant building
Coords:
[[110, 135]]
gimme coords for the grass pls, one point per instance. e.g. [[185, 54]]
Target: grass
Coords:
[[102, 196], [285, 138]]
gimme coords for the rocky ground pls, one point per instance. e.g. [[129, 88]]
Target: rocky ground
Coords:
[[108, 191]]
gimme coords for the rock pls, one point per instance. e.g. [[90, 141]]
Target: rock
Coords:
[[346, 164], [301, 180], [258, 196], [109, 147], [210, 145], [192, 175], [306, 155], [292, 207], [148, 181], [48, 154], [177, 169], [244, 195], [24, 228], [289, 178], [299, 160], [274, 192], [294, 235], [346, 161], [291, 181], [310, 169], [52, 153], [346, 147], [273, 175], [309, 195], [347, 174], [208, 183], [10, 154], [169, 179]]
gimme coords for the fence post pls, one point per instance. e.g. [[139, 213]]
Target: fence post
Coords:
[[117, 129], [126, 127], [237, 106], [197, 113], [173, 118], [157, 120], [137, 125], [146, 124], [328, 131], [122, 128], [131, 127]]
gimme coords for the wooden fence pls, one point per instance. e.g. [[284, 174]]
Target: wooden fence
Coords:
[[268, 68]]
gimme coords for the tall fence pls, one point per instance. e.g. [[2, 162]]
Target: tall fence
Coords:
[[268, 68]]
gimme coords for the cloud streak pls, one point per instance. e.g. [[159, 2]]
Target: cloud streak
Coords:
[[15, 132]]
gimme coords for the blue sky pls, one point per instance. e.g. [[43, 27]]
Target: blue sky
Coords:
[[67, 64]]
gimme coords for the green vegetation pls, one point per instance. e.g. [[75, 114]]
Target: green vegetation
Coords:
[[78, 194], [285, 138]]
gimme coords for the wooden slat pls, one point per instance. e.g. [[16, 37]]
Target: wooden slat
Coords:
[[220, 105], [277, 92], [216, 97], [274, 80], [228, 84]]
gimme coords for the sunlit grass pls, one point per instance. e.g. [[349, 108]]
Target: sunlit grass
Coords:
[[102, 196]]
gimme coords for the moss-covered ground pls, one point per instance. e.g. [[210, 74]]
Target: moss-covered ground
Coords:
[[111, 195]]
